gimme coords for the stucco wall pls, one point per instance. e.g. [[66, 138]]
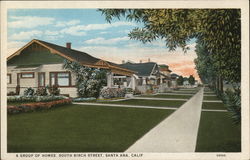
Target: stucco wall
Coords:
[[33, 82]]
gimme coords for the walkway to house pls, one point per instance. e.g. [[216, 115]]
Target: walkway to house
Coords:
[[154, 98], [177, 133]]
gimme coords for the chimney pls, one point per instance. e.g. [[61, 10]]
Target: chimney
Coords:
[[148, 59], [68, 45], [140, 61]]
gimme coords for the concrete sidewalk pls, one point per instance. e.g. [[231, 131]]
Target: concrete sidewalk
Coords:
[[176, 133]]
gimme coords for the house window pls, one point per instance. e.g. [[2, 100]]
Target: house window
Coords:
[[8, 78], [60, 78], [27, 75], [41, 79]]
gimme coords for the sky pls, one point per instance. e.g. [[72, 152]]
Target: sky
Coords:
[[88, 31]]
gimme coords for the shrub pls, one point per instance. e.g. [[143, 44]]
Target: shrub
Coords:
[[129, 90], [112, 93], [29, 107], [53, 90], [89, 81], [41, 91], [29, 91], [33, 98], [136, 92], [81, 99], [232, 99]]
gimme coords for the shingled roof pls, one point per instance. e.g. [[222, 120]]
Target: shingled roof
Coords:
[[142, 69], [78, 56]]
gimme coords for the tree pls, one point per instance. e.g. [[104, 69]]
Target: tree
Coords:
[[89, 81], [191, 80], [218, 29], [180, 80], [204, 64]]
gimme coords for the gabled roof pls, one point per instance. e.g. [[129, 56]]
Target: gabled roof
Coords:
[[142, 69], [164, 67], [78, 56]]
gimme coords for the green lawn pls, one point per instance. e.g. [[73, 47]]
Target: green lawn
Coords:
[[144, 102], [78, 128], [218, 134], [213, 105], [209, 93], [210, 98], [168, 96]]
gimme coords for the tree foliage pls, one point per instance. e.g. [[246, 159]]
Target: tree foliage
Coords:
[[89, 81], [204, 64], [218, 29], [191, 80], [180, 80]]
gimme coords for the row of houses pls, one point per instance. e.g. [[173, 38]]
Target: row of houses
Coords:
[[39, 63]]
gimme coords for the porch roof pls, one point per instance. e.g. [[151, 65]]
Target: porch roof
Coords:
[[29, 66], [142, 69]]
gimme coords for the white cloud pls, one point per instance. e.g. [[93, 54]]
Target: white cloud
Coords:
[[101, 40], [26, 35], [73, 32], [158, 43], [67, 23], [80, 30], [29, 21], [51, 33], [103, 33], [13, 46]]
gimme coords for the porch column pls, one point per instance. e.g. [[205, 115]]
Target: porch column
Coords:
[[133, 82], [144, 81], [161, 81], [110, 79]]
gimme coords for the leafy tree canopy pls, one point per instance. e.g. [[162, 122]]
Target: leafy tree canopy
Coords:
[[217, 29], [191, 80], [180, 80]]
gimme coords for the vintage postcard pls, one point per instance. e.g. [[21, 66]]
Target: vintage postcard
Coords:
[[130, 80]]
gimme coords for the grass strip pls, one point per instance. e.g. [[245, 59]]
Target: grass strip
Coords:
[[217, 133], [144, 102], [168, 96], [210, 98], [78, 128], [214, 105]]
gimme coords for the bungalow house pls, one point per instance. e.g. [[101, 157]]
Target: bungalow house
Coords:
[[165, 74], [147, 74], [39, 63], [174, 80]]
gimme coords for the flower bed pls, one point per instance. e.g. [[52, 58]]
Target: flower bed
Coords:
[[36, 106], [33, 98], [108, 93]]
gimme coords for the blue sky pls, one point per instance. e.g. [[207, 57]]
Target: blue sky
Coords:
[[88, 31]]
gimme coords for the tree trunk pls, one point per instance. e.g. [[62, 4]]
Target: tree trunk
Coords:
[[221, 84]]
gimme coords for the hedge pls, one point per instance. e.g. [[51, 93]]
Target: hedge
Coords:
[[29, 107]]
